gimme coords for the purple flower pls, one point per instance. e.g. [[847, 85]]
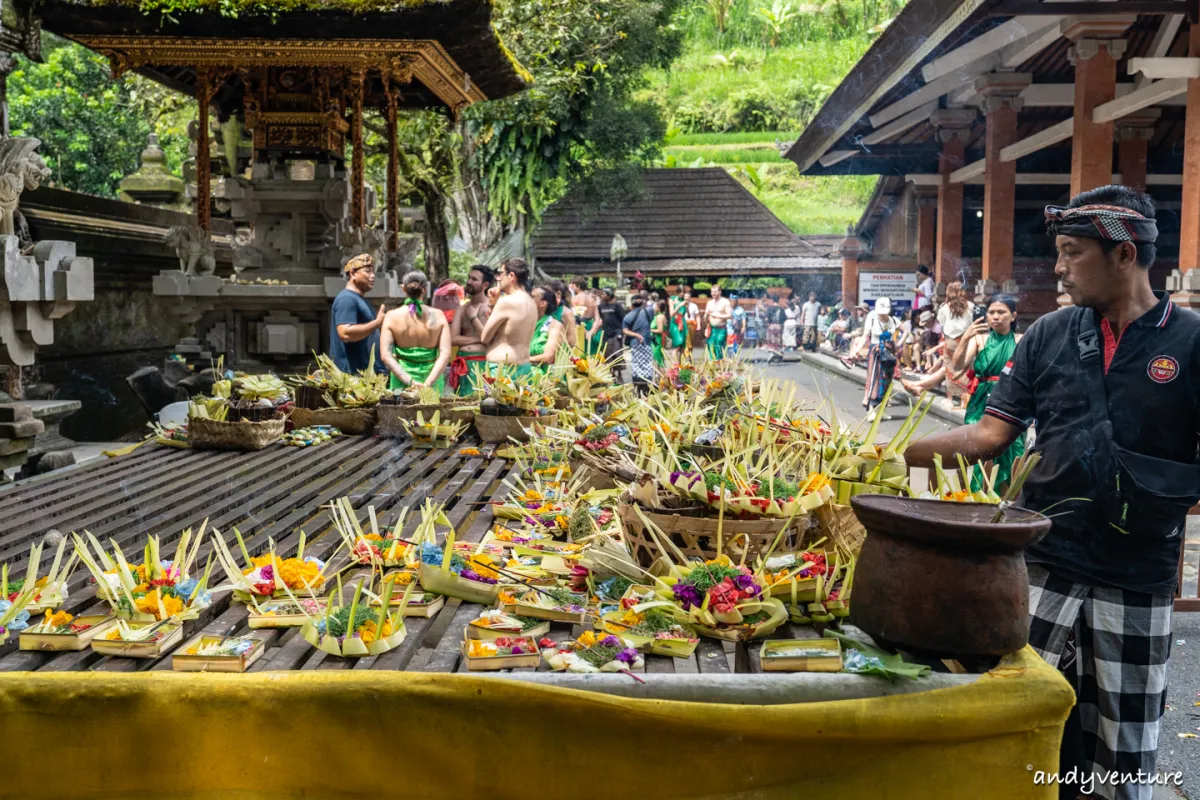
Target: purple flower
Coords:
[[745, 583], [610, 641], [533, 505], [687, 595], [517, 650], [267, 572], [628, 656], [472, 575]]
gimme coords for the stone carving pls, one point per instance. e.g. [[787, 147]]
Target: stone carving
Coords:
[[37, 289], [21, 168], [194, 248], [345, 240], [152, 183]]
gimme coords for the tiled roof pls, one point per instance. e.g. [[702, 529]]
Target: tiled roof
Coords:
[[681, 214]]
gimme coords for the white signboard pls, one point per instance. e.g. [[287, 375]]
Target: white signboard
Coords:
[[895, 286]]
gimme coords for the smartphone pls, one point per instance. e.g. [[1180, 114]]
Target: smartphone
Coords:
[[979, 312]]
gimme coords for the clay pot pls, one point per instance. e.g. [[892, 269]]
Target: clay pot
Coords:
[[941, 579]]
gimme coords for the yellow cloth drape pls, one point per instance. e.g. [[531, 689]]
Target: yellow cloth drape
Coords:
[[358, 734]]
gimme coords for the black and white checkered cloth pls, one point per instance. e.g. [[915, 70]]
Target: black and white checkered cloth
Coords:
[[1111, 223], [1122, 641]]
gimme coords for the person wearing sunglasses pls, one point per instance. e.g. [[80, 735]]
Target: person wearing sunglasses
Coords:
[[354, 325], [510, 326]]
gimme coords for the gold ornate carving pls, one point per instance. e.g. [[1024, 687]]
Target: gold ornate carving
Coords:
[[402, 60]]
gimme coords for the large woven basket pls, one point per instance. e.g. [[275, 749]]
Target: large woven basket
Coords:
[[452, 410], [502, 429], [842, 527], [696, 536], [591, 477], [309, 397], [351, 421], [234, 435]]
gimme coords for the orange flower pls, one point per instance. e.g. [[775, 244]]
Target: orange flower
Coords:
[[477, 648]]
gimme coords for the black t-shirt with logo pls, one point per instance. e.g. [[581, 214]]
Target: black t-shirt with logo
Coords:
[[1152, 381]]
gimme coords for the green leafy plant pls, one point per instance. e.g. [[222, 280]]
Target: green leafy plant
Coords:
[[777, 19]]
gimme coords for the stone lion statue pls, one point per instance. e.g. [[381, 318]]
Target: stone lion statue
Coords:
[[194, 248], [21, 168]]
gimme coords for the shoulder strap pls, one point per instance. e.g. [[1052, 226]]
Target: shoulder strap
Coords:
[[1087, 341]]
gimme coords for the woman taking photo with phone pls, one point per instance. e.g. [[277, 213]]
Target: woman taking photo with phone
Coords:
[[986, 349]]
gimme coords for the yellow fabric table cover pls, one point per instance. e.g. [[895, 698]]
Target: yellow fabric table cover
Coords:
[[342, 734]]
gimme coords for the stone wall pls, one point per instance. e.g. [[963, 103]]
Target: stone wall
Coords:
[[126, 326]]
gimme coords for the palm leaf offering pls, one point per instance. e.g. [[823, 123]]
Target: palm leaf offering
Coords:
[[268, 576], [155, 589], [345, 389], [50, 590], [432, 433]]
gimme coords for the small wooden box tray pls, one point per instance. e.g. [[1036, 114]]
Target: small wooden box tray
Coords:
[[258, 620], [813, 655], [181, 661], [98, 623], [488, 634], [483, 663], [119, 647]]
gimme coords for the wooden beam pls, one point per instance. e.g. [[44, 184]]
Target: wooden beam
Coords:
[[1021, 51], [897, 126], [393, 165], [1148, 95], [1158, 68], [834, 156], [1087, 8], [1164, 37], [972, 170], [1041, 179], [933, 90], [998, 38], [1044, 138]]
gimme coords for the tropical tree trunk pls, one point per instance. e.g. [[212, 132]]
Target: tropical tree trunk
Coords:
[[437, 244]]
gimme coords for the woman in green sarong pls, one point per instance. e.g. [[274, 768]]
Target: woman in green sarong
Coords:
[[415, 340], [987, 347], [548, 332], [677, 320], [661, 341]]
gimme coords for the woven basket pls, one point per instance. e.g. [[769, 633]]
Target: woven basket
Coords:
[[234, 435], [309, 397], [501, 429], [591, 477], [351, 421], [841, 525], [696, 536], [451, 411]]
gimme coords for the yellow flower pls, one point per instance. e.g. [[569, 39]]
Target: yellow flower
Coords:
[[366, 631], [296, 573], [562, 522], [477, 648], [149, 605], [57, 619], [113, 634], [481, 563], [588, 638]]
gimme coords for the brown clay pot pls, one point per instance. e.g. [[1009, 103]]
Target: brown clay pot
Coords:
[[941, 579]]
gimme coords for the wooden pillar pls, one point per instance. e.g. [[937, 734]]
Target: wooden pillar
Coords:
[[850, 249], [926, 228], [1189, 216], [954, 130], [1001, 104], [358, 176], [1133, 133], [393, 168], [203, 150], [1095, 55]]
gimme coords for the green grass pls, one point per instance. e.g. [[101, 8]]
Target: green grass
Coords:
[[807, 204], [715, 155], [739, 137]]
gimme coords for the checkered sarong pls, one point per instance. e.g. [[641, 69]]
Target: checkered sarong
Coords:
[[1118, 666]]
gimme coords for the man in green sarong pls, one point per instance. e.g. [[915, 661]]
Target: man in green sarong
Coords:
[[718, 311]]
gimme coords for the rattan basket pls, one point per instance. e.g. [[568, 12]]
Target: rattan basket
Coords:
[[591, 477], [234, 435], [694, 532], [842, 527], [451, 410], [352, 421], [309, 397], [502, 429]]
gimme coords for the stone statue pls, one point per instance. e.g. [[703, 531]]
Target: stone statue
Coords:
[[346, 241], [21, 168], [194, 248]]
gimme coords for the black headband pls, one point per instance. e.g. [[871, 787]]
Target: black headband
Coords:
[[1107, 223]]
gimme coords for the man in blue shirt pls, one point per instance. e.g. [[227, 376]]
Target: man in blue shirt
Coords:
[[354, 325]]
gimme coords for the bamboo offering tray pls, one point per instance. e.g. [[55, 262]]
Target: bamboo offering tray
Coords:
[[273, 494]]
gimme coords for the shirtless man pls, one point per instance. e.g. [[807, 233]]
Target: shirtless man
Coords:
[[718, 311], [509, 328], [583, 304], [466, 329]]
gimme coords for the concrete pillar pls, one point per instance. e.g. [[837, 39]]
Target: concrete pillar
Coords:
[[1001, 104], [926, 226], [850, 249], [954, 130], [1095, 54], [1189, 216]]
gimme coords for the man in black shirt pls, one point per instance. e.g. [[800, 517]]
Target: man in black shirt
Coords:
[[1113, 386]]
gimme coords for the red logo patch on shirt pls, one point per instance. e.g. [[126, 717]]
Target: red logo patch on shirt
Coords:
[[1162, 369]]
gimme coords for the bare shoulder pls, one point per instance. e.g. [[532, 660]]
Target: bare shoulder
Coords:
[[436, 319]]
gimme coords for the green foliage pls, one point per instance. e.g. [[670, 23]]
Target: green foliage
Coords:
[[727, 155], [741, 137], [777, 19], [93, 128], [579, 117]]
